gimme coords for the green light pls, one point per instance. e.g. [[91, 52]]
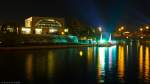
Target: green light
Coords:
[[103, 41]]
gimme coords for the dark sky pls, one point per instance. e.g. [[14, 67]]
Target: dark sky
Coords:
[[105, 13]]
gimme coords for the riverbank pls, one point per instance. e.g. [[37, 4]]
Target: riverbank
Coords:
[[44, 47]]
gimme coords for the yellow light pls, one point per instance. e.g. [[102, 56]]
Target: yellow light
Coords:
[[127, 32], [147, 65], [52, 30], [141, 29], [66, 30], [89, 55], [51, 20], [119, 29], [122, 28], [28, 22], [127, 37], [81, 53], [141, 61], [141, 37], [147, 27], [62, 33], [26, 30], [38, 31], [121, 65]]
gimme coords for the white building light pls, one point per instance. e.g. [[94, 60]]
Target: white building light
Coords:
[[26, 30], [38, 31], [52, 30], [66, 30], [10, 29]]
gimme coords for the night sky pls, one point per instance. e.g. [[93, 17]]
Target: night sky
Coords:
[[105, 13]]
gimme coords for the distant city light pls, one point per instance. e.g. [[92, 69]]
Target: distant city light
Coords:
[[62, 33], [66, 30], [119, 29], [126, 32], [147, 27], [38, 31], [26, 30], [81, 53], [52, 30], [100, 29], [122, 28], [141, 37], [141, 29]]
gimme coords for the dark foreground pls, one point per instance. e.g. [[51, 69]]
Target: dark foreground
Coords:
[[81, 65]]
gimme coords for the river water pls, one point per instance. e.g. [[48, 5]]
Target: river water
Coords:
[[87, 65]]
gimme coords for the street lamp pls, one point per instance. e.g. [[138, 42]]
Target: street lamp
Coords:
[[122, 28], [119, 29], [141, 29], [147, 27], [100, 29]]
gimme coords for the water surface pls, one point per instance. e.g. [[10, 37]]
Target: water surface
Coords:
[[86, 65]]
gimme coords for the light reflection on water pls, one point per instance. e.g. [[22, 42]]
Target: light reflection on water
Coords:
[[51, 64], [91, 65], [29, 66], [141, 62], [101, 64], [121, 63], [147, 64]]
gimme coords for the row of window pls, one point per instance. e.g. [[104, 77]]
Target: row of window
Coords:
[[37, 31]]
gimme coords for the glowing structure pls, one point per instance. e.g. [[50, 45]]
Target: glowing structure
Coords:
[[43, 25], [101, 39], [110, 39], [108, 43]]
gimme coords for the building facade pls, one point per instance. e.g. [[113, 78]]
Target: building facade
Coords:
[[43, 25]]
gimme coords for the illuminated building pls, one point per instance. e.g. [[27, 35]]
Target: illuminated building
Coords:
[[43, 25], [9, 27]]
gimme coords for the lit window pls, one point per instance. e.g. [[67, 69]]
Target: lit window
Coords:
[[10, 29], [26, 31], [52, 30], [66, 30], [38, 31]]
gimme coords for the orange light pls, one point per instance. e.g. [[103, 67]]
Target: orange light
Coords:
[[121, 66], [141, 61], [62, 33], [147, 65]]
